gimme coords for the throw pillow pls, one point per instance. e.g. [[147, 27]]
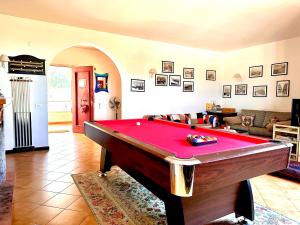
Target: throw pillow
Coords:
[[193, 115], [175, 118], [247, 121], [206, 119], [169, 117], [194, 121], [269, 126], [182, 118], [200, 120], [187, 119], [164, 117], [213, 120]]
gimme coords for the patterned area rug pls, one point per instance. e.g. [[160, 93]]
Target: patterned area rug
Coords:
[[118, 199]]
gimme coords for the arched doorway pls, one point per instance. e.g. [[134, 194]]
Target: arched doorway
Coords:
[[79, 56]]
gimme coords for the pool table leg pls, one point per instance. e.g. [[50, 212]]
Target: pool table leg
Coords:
[[245, 203], [174, 210], [105, 162]]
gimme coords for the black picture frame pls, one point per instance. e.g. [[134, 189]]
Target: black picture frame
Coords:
[[188, 86], [137, 85], [167, 67], [238, 87], [188, 73], [256, 71], [279, 69], [283, 88], [226, 94], [211, 75], [175, 80], [263, 92], [161, 80]]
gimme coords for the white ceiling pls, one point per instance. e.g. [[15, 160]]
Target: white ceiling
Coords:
[[212, 24]]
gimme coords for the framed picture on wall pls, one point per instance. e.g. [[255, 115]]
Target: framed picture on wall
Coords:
[[256, 71], [188, 86], [278, 69], [241, 89], [174, 80], [282, 88], [188, 73], [137, 85], [101, 82], [211, 75], [226, 91], [260, 91], [161, 80], [167, 67]]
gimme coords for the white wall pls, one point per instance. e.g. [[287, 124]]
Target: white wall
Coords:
[[170, 99], [239, 62], [132, 56], [78, 56]]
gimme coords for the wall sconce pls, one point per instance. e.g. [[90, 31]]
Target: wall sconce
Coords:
[[237, 77], [3, 60], [152, 71]]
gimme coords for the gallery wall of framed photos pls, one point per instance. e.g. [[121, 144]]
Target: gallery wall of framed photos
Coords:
[[271, 73], [167, 77], [277, 69]]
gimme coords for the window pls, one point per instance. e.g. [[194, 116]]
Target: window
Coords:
[[59, 89]]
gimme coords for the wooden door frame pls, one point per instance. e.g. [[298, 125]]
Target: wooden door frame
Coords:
[[74, 93]]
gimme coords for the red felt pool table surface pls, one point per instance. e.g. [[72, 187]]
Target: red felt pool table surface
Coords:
[[171, 137]]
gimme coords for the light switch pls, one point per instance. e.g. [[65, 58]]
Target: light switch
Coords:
[[38, 106]]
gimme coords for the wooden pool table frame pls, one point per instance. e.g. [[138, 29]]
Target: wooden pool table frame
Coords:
[[221, 184]]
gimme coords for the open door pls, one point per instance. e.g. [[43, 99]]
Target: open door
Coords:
[[82, 97]]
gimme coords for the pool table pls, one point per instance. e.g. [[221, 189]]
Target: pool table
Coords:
[[198, 184]]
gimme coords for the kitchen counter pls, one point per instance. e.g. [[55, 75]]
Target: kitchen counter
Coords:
[[7, 180]]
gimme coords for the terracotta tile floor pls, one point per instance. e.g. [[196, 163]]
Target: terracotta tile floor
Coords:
[[45, 192]]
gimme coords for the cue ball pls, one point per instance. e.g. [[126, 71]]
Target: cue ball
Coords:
[[138, 123]]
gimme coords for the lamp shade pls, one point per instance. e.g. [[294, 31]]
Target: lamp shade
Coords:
[[152, 71], [237, 77], [4, 58]]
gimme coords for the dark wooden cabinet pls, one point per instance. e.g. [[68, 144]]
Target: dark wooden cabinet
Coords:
[[221, 115]]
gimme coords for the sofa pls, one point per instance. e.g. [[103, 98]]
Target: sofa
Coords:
[[259, 122]]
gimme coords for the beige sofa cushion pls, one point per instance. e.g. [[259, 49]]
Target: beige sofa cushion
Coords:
[[239, 127], [233, 120], [260, 131], [259, 116], [287, 122], [281, 116]]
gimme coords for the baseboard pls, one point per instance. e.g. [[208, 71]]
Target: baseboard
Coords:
[[27, 149]]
